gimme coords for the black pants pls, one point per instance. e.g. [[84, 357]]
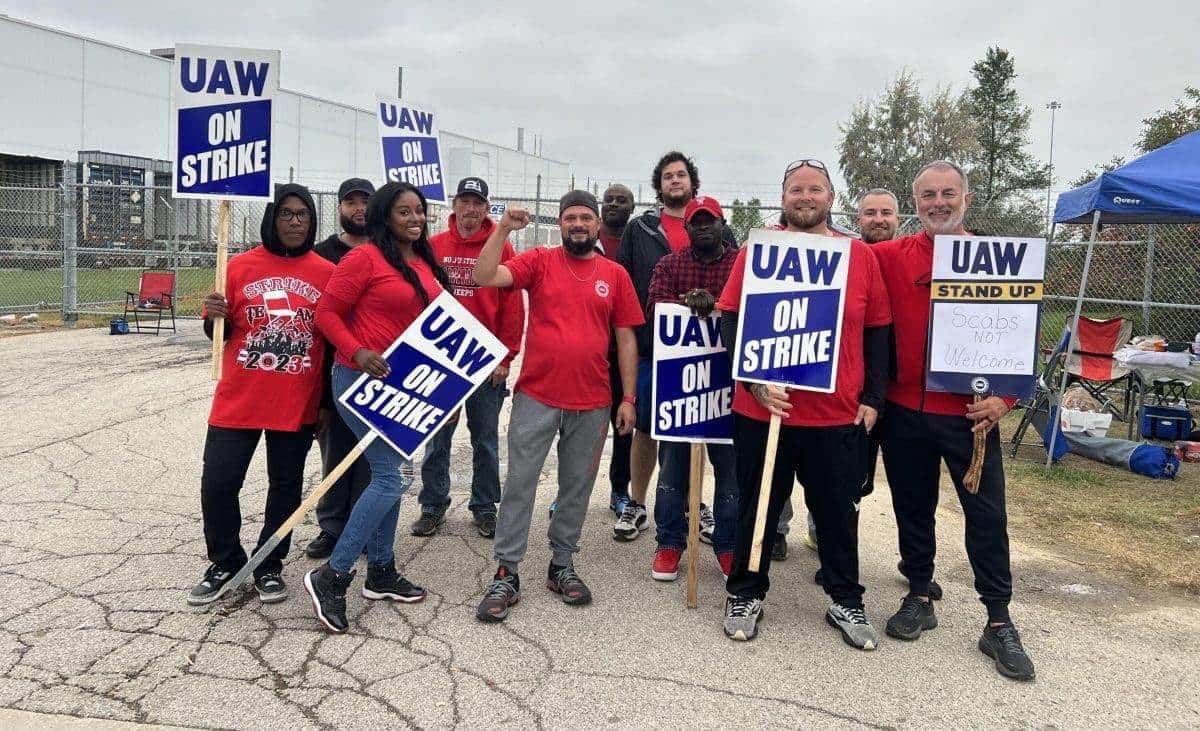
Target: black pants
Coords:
[[335, 505], [914, 446], [618, 468], [227, 454], [831, 464]]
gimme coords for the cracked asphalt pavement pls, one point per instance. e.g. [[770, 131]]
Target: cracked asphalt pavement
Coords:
[[100, 539]]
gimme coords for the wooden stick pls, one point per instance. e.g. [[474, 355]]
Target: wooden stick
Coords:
[[218, 341], [309, 503], [764, 494], [695, 484], [975, 470]]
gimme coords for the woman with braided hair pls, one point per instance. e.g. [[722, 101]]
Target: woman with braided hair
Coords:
[[375, 293]]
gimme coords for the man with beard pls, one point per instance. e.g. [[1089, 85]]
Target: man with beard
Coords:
[[501, 311], [877, 215], [336, 440], [648, 238], [923, 429], [576, 299], [823, 436], [615, 209]]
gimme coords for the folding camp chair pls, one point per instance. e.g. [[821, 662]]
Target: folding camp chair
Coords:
[[155, 297], [1091, 364], [1045, 390]]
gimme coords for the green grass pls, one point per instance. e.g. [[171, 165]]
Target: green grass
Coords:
[[22, 289]]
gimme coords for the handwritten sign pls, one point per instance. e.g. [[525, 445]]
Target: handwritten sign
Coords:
[[985, 314], [692, 388]]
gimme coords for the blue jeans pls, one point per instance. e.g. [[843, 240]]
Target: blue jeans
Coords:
[[372, 522], [671, 495], [483, 420]]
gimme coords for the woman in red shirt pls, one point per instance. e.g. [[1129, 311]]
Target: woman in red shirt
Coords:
[[375, 293]]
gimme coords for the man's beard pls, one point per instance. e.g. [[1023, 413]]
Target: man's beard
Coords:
[[579, 248], [805, 219], [352, 228], [875, 235], [676, 201], [952, 225]]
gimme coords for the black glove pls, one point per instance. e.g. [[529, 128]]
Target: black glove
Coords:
[[700, 301]]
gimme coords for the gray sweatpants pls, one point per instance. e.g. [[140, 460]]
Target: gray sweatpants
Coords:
[[532, 427]]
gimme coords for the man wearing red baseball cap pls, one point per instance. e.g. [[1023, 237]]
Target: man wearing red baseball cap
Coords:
[[693, 276]]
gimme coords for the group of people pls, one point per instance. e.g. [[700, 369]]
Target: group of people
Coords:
[[304, 321]]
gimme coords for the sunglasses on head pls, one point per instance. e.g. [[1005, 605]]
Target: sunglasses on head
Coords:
[[812, 163]]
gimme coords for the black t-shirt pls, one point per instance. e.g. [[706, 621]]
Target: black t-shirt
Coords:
[[332, 248]]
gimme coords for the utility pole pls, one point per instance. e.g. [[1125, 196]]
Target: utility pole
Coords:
[[399, 82], [1053, 106]]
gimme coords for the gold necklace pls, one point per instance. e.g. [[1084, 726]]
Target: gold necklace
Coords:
[[595, 264]]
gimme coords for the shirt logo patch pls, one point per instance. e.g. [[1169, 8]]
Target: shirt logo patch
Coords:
[[602, 288]]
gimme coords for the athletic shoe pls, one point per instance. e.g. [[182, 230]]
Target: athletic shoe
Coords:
[[563, 580], [913, 618], [486, 525], [206, 591], [666, 564], [616, 503], [632, 521], [935, 589], [726, 562], [708, 524], [327, 588], [1003, 644], [504, 591], [384, 583], [428, 524], [779, 551], [742, 617], [271, 588], [321, 547], [852, 623]]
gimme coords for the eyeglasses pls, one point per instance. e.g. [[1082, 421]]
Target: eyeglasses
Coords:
[[808, 162], [287, 214]]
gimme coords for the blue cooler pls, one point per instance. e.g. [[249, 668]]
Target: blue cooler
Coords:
[[1165, 422]]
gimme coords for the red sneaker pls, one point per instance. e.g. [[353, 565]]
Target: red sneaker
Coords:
[[666, 564], [726, 561]]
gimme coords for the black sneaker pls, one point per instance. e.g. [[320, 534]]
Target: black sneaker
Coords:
[[1003, 644], [271, 588], [780, 549], [321, 546], [563, 580], [327, 588], [504, 592], [206, 591], [486, 525], [428, 524], [935, 589], [913, 618], [383, 582]]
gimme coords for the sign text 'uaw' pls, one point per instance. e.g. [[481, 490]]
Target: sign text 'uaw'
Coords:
[[985, 314], [790, 323], [692, 387], [436, 364], [411, 152], [221, 122]]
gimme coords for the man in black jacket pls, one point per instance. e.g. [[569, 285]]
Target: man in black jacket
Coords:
[[336, 440], [648, 238]]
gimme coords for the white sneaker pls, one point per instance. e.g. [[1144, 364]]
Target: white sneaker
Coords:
[[853, 624], [631, 522]]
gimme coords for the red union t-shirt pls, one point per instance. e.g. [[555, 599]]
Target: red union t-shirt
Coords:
[[866, 306], [573, 306], [677, 235], [271, 365]]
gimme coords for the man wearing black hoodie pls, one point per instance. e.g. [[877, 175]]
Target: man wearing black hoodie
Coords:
[[271, 381], [336, 440]]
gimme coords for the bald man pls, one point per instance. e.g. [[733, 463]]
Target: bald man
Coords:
[[615, 210]]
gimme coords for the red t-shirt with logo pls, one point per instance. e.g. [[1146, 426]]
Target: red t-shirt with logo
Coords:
[[271, 364], [368, 303], [573, 306], [866, 306], [677, 235]]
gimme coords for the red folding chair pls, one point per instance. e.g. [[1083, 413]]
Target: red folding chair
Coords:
[[155, 296], [1091, 364]]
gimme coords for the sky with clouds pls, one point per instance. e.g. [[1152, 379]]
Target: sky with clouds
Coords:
[[742, 87]]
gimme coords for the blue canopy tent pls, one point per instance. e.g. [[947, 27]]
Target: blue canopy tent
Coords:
[[1162, 186]]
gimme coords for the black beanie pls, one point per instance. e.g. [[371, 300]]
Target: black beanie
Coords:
[[578, 198]]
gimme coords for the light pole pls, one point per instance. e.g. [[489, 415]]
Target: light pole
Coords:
[[1053, 106]]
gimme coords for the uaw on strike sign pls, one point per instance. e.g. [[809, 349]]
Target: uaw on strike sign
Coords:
[[221, 123], [411, 153], [436, 363], [692, 388], [984, 314], [790, 325]]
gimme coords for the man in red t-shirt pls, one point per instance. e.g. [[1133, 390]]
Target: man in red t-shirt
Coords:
[[271, 380], [577, 298], [502, 311], [922, 429], [823, 437]]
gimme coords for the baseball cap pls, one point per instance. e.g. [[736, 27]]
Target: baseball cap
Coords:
[[702, 203], [355, 185], [473, 186], [578, 198]]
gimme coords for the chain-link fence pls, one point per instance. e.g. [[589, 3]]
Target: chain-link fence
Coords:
[[75, 248]]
